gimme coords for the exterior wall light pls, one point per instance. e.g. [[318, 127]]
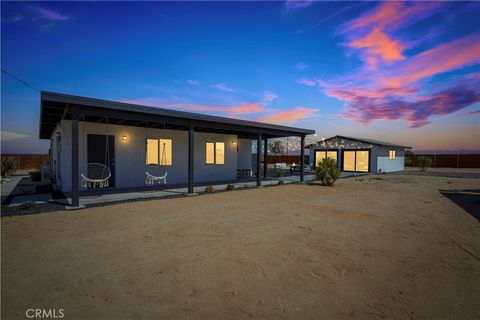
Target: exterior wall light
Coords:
[[124, 138], [234, 143]]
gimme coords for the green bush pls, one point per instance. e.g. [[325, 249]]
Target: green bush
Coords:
[[277, 172], [281, 181], [424, 163], [230, 187], [9, 166], [209, 189], [327, 171], [28, 206]]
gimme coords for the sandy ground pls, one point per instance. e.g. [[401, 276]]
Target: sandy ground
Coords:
[[367, 249]]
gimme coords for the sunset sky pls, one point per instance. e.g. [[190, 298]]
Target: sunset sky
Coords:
[[399, 72]]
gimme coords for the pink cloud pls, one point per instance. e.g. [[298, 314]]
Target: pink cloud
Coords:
[[244, 108], [378, 45], [415, 109], [289, 116], [371, 32], [456, 54], [396, 86], [49, 14]]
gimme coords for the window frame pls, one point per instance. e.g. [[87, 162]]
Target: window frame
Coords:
[[390, 153], [146, 153], [215, 153], [158, 163], [206, 156], [355, 163], [323, 150], [160, 152]]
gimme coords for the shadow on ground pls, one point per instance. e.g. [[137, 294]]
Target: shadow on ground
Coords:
[[467, 199]]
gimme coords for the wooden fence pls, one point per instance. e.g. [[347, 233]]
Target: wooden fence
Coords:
[[446, 160], [29, 161]]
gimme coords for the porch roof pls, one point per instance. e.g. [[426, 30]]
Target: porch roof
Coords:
[[57, 106]]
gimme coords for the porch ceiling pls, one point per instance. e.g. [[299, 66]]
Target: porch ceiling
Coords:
[[55, 107]]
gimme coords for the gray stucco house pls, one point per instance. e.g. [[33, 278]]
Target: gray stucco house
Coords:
[[359, 155], [92, 136]]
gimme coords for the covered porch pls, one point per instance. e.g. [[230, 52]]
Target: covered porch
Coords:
[[56, 107]]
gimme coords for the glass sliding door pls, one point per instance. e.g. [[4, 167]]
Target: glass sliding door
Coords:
[[356, 160], [349, 161], [361, 162]]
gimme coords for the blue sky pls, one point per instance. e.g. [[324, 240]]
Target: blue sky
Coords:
[[351, 68]]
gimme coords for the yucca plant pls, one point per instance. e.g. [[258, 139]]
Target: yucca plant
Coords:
[[327, 171]]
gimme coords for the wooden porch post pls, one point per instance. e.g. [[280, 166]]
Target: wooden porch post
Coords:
[[259, 155], [265, 154], [302, 157], [75, 160], [191, 151]]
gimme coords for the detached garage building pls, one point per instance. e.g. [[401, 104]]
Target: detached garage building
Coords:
[[359, 155]]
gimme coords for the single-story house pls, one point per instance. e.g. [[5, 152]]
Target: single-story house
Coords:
[[92, 137], [359, 155]]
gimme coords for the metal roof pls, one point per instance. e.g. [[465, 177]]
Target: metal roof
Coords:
[[370, 141], [57, 106]]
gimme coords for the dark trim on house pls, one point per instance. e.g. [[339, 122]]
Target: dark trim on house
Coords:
[[368, 141], [315, 154], [57, 106], [355, 163]]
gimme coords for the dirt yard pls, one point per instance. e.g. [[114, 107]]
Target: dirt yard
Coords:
[[381, 247]]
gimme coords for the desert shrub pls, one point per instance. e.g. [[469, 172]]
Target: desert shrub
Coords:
[[209, 189], [424, 163], [327, 171], [230, 187], [408, 158], [28, 206], [281, 181], [9, 166], [277, 172]]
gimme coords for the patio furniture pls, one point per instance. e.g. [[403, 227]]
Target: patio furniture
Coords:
[[151, 179], [97, 174]]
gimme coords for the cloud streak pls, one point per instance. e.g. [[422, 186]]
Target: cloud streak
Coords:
[[257, 111], [9, 136], [193, 82], [289, 116], [243, 108], [223, 87], [49, 14], [293, 5]]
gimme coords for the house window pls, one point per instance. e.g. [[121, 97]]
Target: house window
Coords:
[[159, 152], [219, 153], [392, 155], [349, 161], [319, 155], [361, 161], [152, 151], [215, 153], [165, 152], [356, 160]]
